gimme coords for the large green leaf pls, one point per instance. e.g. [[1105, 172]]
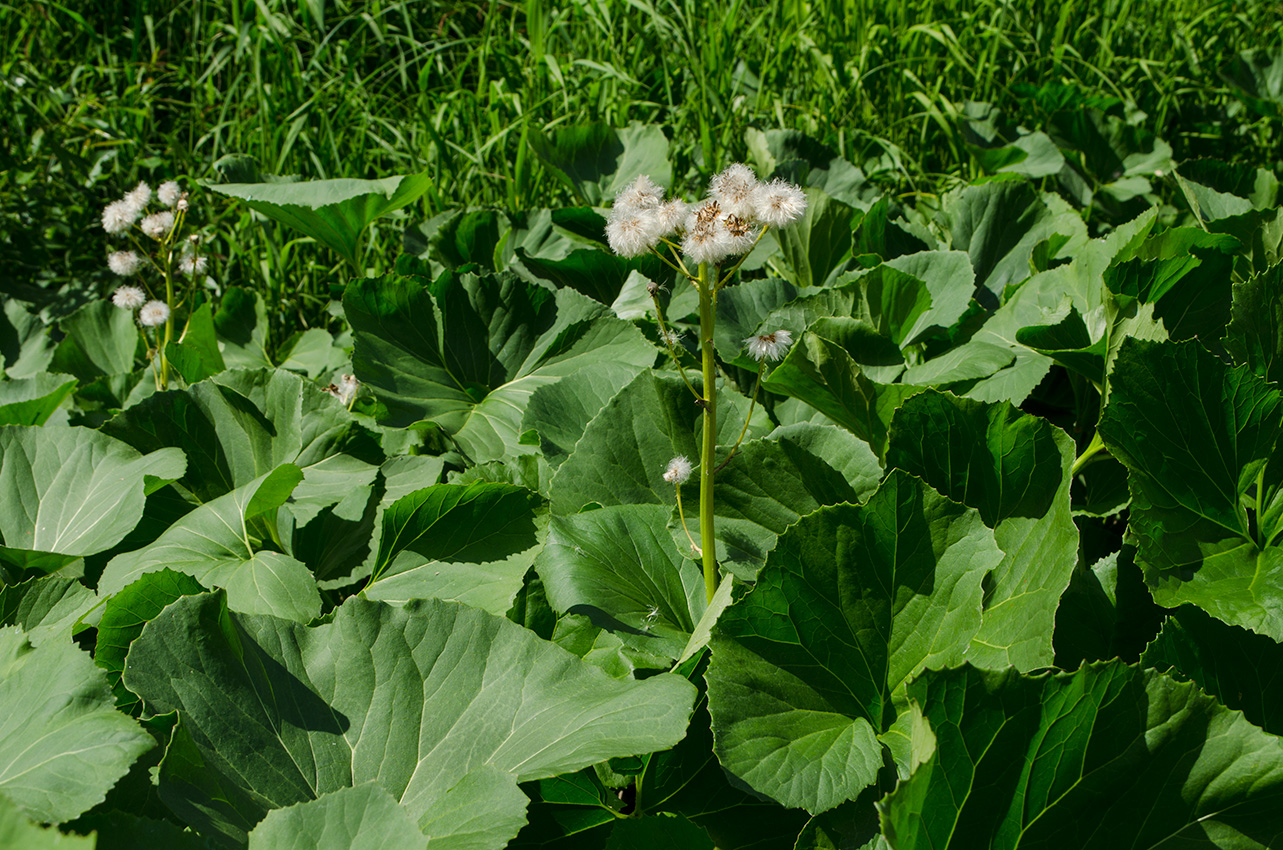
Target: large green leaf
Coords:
[[597, 161], [852, 602], [620, 567], [242, 424], [1014, 469], [74, 491], [818, 245], [468, 542], [63, 745], [16, 830], [1236, 666], [1109, 756], [25, 349], [333, 212], [217, 545], [1255, 332], [99, 339], [443, 705], [1195, 436], [31, 401], [363, 817], [467, 352], [46, 608], [821, 373]]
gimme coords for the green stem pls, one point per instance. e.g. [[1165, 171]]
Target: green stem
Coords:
[[1093, 448], [752, 401], [663, 329], [1260, 509], [707, 300]]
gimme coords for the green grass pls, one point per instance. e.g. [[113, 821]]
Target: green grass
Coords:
[[368, 89]]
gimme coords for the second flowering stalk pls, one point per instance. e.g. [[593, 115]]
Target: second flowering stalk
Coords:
[[700, 242]]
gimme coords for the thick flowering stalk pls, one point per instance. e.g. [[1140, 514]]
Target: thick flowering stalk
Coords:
[[155, 317], [704, 236]]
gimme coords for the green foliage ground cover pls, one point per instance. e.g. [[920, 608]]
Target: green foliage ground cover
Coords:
[[1000, 552]]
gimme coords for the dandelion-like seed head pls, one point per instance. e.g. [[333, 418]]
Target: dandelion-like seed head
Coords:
[[669, 216], [708, 242], [181, 206], [641, 194], [128, 297], [345, 390], [678, 471], [771, 346], [124, 263], [670, 337], [192, 265], [742, 235], [157, 225], [153, 313], [169, 193], [118, 216], [631, 233], [733, 190], [779, 202], [138, 197]]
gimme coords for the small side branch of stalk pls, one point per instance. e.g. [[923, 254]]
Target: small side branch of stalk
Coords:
[[747, 418]]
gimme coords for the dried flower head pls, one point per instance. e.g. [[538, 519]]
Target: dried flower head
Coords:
[[158, 225], [181, 206], [138, 197], [641, 194], [777, 203], [678, 471], [169, 193], [733, 190], [118, 216], [192, 265], [128, 297], [345, 389], [670, 338], [771, 346], [153, 313], [124, 263]]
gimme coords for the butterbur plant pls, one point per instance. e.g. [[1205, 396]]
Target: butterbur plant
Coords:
[[705, 242], [158, 255]]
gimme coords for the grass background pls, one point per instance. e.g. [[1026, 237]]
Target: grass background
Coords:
[[94, 101]]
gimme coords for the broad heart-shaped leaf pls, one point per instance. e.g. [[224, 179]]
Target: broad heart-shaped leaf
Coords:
[[63, 745], [31, 401], [821, 373], [46, 608], [241, 323], [1195, 436], [333, 212], [1255, 332], [597, 161], [1238, 667], [1109, 756], [1014, 469], [242, 424], [467, 351], [215, 545], [435, 701], [621, 458], [363, 817], [469, 542], [618, 565], [100, 339], [17, 830], [852, 602], [818, 245], [25, 349], [74, 491], [124, 615]]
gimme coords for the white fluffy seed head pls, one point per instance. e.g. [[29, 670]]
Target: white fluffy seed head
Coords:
[[678, 471], [771, 346], [128, 297], [733, 190], [670, 337], [124, 263], [157, 225], [641, 194], [153, 313], [192, 265], [169, 193], [670, 216], [138, 197], [632, 233], [118, 216], [778, 203]]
